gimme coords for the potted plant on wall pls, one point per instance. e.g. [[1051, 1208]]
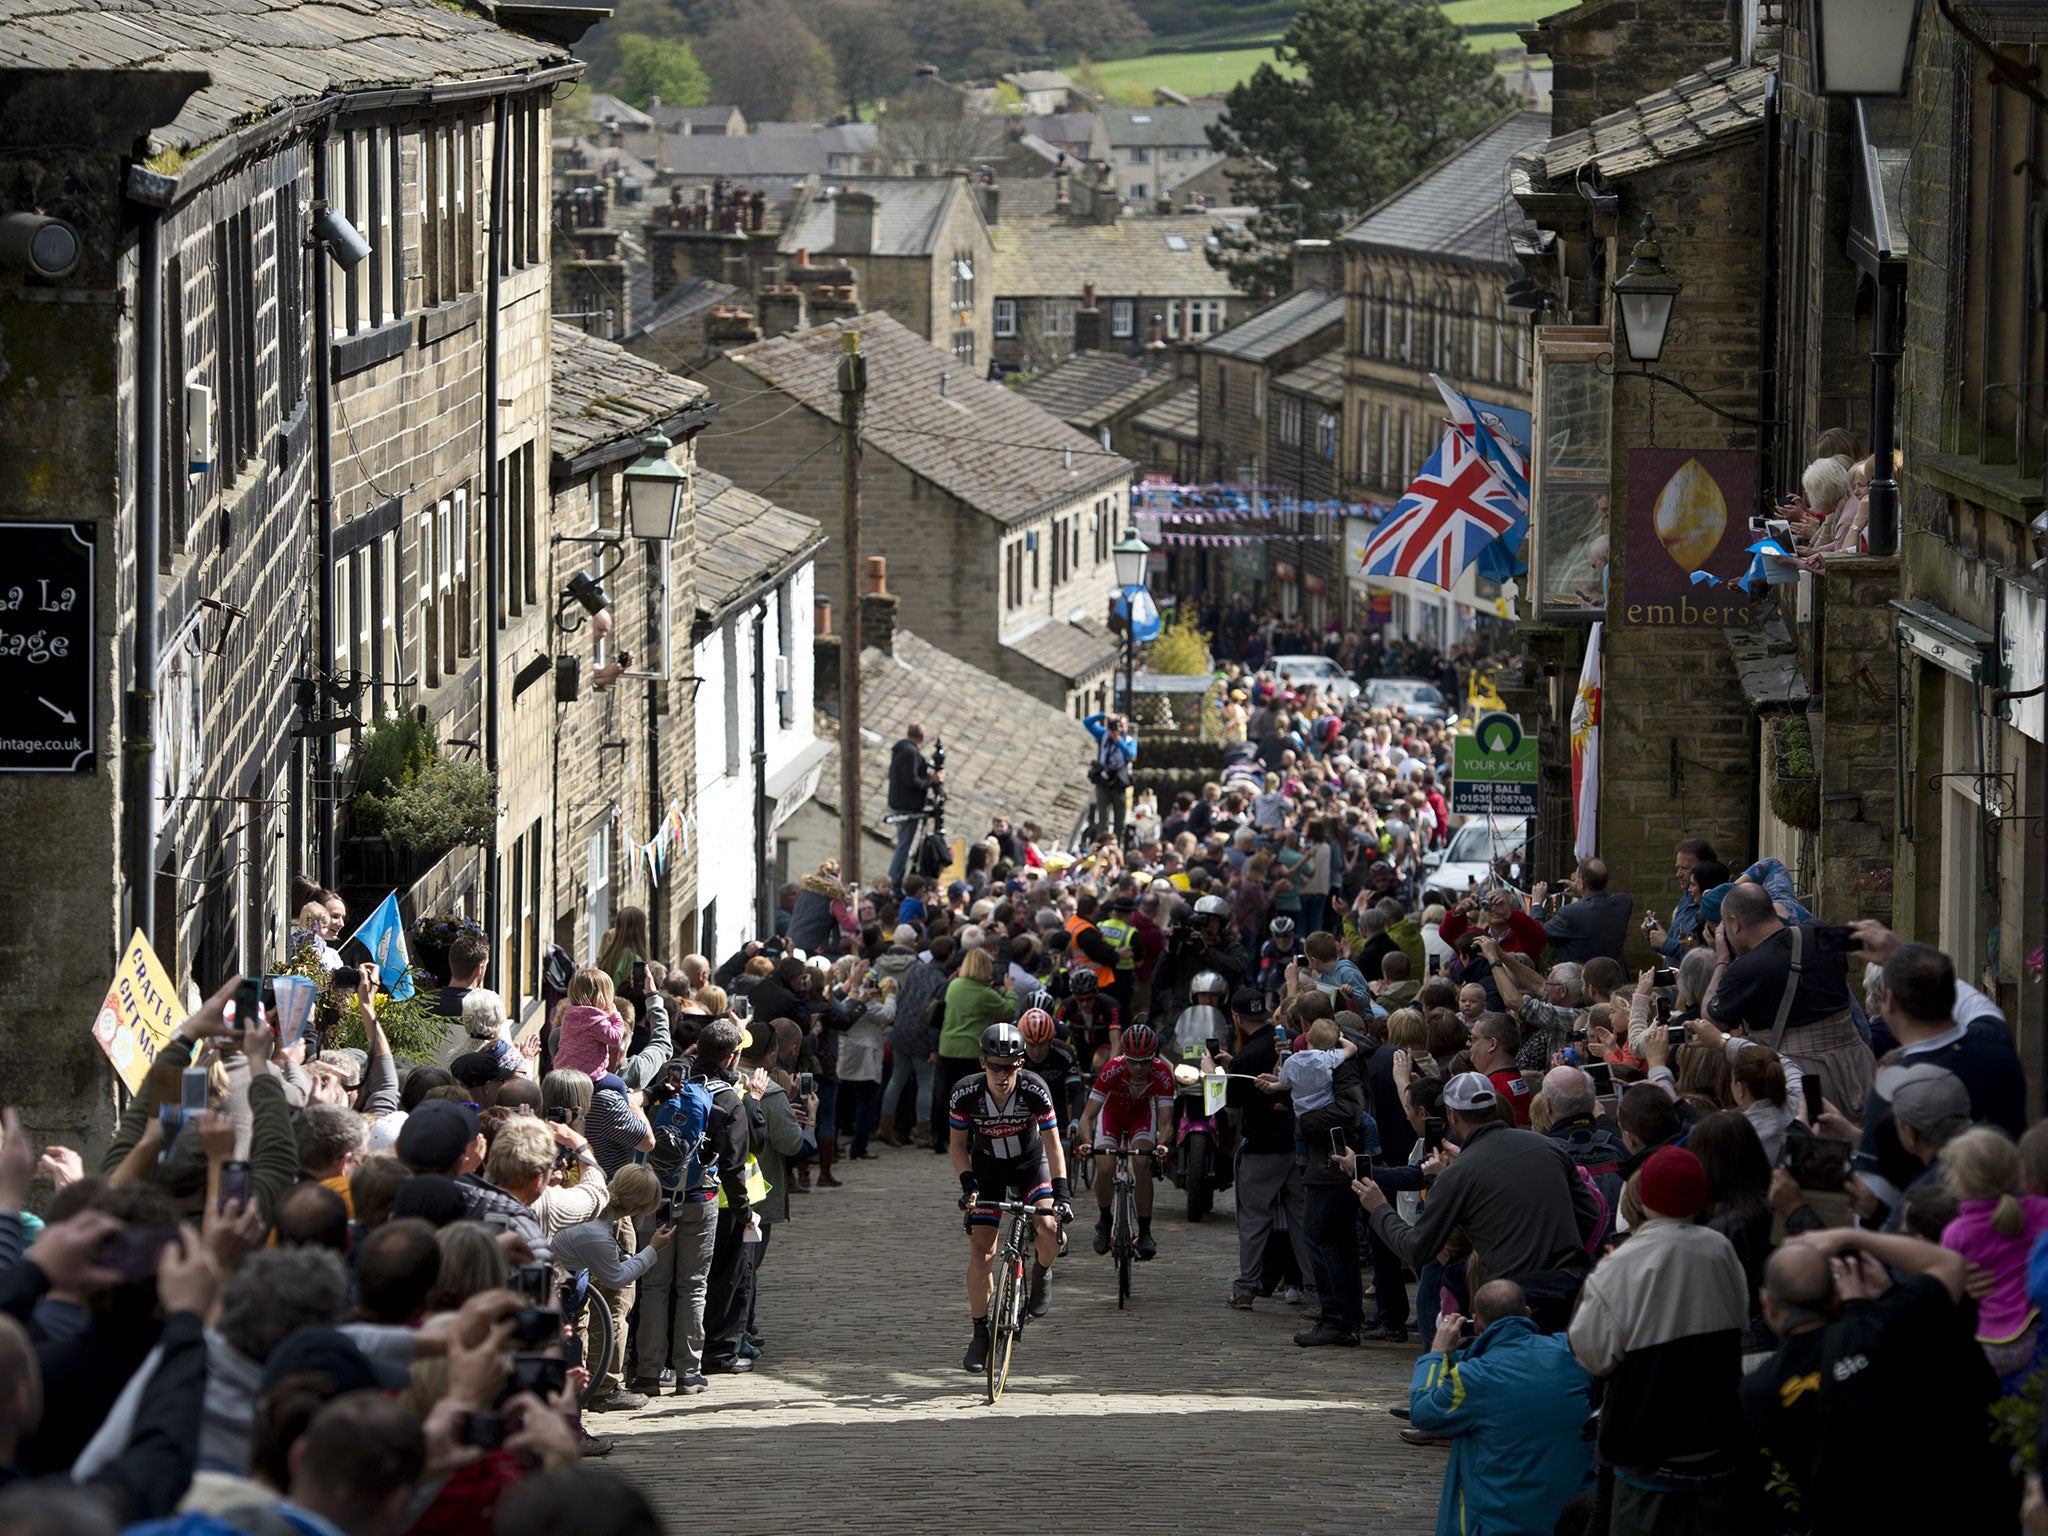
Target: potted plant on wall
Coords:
[[1795, 776], [414, 802]]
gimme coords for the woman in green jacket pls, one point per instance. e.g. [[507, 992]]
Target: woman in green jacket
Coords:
[[974, 1001]]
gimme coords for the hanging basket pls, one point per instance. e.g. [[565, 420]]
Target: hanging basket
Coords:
[[1795, 778]]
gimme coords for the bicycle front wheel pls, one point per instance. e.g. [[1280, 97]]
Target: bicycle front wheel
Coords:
[[1004, 1324], [1124, 1247]]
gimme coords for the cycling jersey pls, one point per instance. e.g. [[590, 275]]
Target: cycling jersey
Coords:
[[1092, 1031], [1006, 1147], [1127, 1090], [1059, 1069], [1008, 1131]]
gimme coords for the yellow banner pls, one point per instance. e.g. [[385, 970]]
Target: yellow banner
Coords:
[[1214, 1088], [140, 1015]]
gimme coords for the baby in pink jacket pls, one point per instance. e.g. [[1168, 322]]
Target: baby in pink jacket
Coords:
[[588, 1027]]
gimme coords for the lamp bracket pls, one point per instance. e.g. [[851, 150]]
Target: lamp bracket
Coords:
[[1605, 363], [2005, 69]]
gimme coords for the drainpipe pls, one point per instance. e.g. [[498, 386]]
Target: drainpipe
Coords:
[[140, 746], [494, 482], [324, 809], [1770, 448], [764, 878]]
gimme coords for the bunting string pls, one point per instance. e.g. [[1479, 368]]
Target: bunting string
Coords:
[[671, 840]]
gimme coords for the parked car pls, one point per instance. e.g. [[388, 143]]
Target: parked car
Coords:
[[1467, 860], [1423, 702], [1331, 680]]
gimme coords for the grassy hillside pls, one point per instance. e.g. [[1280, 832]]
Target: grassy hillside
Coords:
[[1198, 71]]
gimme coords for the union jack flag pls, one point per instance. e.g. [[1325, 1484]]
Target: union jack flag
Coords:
[[1454, 510]]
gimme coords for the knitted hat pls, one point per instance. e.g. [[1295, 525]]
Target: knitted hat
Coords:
[[1672, 1183], [1710, 904]]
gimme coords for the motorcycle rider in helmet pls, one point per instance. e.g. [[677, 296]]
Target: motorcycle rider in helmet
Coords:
[[1005, 1144]]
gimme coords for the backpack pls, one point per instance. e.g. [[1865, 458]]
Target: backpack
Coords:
[[680, 1126]]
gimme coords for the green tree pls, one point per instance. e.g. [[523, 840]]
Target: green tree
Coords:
[[1388, 88], [1096, 28], [871, 54], [659, 66], [770, 65]]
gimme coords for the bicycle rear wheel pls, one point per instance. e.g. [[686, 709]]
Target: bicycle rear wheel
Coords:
[[597, 1335], [1123, 1245], [1005, 1317]]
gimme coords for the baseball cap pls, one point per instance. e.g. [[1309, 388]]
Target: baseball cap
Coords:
[[477, 1069], [1930, 1099], [331, 1353], [1250, 1002], [1469, 1091], [435, 1134]]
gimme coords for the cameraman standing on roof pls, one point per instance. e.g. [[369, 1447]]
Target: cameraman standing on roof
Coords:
[[911, 778]]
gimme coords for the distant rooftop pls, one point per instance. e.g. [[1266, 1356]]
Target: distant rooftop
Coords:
[[1461, 207], [1280, 325]]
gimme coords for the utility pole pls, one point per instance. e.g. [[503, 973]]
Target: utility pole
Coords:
[[853, 388]]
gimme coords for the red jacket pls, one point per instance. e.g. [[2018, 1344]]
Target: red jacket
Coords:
[[1525, 934]]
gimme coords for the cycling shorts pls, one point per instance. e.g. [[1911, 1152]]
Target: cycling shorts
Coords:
[[1124, 1119], [1027, 1178]]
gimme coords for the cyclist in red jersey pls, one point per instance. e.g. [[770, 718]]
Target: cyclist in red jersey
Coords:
[[1132, 1100]]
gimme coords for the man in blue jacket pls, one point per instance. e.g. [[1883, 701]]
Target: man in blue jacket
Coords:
[[1116, 754], [1512, 1402]]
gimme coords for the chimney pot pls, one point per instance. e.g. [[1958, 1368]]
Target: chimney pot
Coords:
[[878, 573], [821, 616]]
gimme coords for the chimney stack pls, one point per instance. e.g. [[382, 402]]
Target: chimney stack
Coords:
[[853, 223], [1088, 328], [878, 608], [991, 204]]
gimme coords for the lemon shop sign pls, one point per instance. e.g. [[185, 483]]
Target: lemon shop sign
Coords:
[[1493, 771], [1688, 538]]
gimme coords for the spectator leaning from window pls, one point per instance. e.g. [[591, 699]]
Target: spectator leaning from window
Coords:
[[1513, 1404], [1661, 1323]]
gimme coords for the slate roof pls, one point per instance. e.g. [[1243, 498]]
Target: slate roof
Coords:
[[1054, 256], [1007, 753], [987, 445], [1320, 378], [603, 393], [605, 108], [1691, 117], [1461, 208], [1025, 197], [680, 302], [266, 55], [1129, 126], [1767, 664], [910, 215], [1178, 415], [1279, 325], [694, 117], [1064, 130], [788, 155], [743, 541], [1091, 388], [1040, 80], [1072, 651]]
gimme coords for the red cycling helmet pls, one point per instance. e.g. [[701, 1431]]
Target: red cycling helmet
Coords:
[[1037, 1026], [1141, 1040]]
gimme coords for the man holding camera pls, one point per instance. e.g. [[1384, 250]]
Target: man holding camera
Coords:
[[911, 780], [1116, 756], [1513, 1404], [1199, 942], [728, 1137]]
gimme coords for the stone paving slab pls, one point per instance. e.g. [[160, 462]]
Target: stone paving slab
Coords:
[[1178, 1415]]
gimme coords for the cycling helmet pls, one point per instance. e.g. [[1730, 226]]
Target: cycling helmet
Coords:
[[1036, 1027], [1002, 1042], [1282, 929], [1208, 984], [1039, 1000], [1212, 906], [1083, 983], [1141, 1040]]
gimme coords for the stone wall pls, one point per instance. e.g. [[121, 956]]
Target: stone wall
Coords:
[[1606, 53], [1675, 690], [1856, 737]]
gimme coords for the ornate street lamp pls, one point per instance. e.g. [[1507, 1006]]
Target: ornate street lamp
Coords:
[[654, 491], [1646, 293]]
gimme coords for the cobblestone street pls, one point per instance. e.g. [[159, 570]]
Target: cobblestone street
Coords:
[[1177, 1415]]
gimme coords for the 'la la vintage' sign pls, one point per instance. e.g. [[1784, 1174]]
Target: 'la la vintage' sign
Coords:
[[47, 724]]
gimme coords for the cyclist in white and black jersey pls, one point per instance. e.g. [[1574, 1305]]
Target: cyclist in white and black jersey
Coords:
[[1006, 1144]]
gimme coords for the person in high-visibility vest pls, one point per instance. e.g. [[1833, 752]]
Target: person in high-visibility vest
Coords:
[[1120, 932], [1090, 949]]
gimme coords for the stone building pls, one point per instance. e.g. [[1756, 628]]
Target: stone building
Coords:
[[256, 578], [996, 517], [1150, 280], [1155, 149], [1425, 279], [1102, 394], [1237, 424]]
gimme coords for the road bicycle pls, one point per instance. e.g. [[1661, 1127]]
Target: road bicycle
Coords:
[[1006, 1312], [1123, 1222]]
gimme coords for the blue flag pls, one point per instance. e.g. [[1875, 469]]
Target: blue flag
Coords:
[[383, 935], [1145, 617]]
